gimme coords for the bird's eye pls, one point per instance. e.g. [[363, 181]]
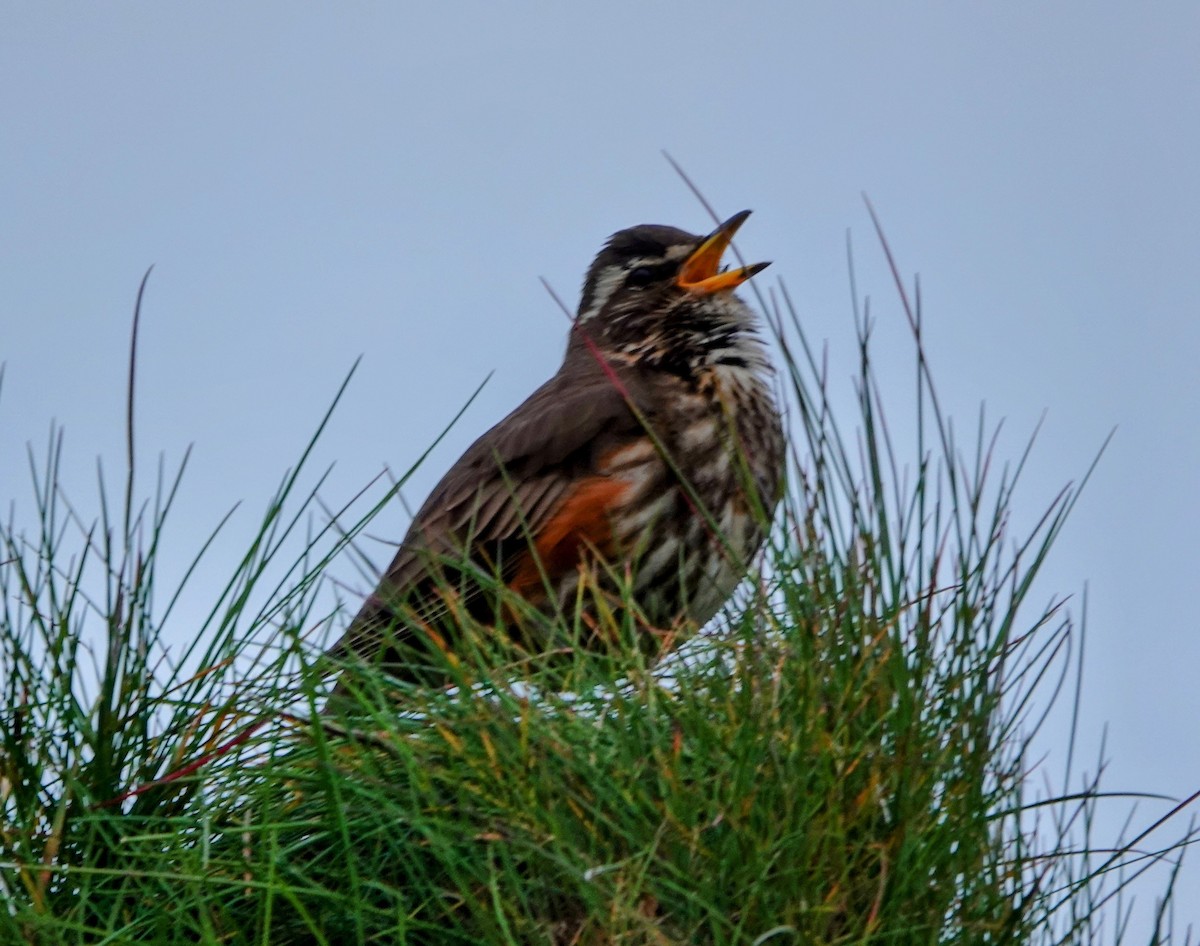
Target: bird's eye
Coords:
[[641, 276]]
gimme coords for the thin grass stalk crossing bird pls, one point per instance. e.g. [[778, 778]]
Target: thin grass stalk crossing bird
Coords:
[[642, 476]]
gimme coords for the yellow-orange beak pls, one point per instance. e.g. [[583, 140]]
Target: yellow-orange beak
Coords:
[[700, 272]]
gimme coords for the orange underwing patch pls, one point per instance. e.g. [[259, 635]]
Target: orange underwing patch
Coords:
[[582, 522]]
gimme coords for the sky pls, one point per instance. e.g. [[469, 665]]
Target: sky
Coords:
[[315, 183]]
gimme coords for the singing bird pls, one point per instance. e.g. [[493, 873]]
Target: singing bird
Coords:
[[648, 467]]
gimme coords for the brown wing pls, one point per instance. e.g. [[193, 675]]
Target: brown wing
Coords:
[[505, 490]]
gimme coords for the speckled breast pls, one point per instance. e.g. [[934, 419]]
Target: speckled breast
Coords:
[[700, 497]]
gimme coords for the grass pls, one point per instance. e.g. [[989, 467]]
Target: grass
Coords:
[[845, 758]]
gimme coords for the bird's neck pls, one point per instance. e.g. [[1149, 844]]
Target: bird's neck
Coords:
[[731, 350]]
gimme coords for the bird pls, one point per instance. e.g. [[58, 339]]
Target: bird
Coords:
[[645, 471]]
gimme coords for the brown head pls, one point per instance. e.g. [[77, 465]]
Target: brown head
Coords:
[[659, 296]]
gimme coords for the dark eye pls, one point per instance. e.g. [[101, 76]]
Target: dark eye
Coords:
[[641, 276]]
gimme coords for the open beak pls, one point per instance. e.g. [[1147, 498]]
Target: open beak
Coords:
[[701, 273]]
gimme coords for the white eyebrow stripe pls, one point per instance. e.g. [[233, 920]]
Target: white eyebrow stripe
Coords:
[[606, 285], [613, 276]]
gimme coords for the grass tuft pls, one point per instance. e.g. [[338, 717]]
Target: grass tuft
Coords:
[[845, 757]]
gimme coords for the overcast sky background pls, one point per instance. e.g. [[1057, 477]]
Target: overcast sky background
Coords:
[[317, 183]]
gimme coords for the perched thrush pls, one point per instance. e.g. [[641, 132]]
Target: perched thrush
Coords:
[[649, 465]]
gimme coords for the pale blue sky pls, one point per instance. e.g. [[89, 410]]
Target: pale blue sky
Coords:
[[314, 183]]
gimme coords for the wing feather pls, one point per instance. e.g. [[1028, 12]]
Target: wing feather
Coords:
[[503, 490]]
